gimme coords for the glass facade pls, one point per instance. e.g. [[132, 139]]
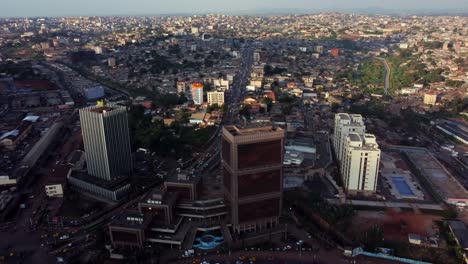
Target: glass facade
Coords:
[[259, 210], [227, 177], [125, 237], [259, 183], [184, 192], [226, 151], [259, 154]]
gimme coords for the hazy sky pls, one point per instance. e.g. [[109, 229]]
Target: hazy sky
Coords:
[[16, 8]]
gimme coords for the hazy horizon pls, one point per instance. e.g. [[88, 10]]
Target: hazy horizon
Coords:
[[33, 8]]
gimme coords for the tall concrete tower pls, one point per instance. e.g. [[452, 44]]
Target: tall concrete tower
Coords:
[[252, 162], [106, 141]]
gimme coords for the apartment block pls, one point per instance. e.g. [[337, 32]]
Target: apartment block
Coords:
[[360, 163], [215, 98], [345, 124]]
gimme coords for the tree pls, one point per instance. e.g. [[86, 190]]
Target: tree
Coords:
[[268, 101], [373, 238], [334, 107], [213, 107], [182, 98], [454, 83], [459, 61], [269, 71], [286, 109], [245, 111], [182, 116]]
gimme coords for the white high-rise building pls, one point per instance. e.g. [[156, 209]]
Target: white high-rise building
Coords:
[[360, 163], [215, 98], [345, 124], [197, 93]]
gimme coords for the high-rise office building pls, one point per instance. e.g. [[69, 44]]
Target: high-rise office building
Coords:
[[197, 93], [106, 141], [360, 163], [345, 124], [215, 97], [252, 160], [108, 154]]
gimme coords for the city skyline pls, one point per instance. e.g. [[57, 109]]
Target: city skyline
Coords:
[[145, 7], [148, 131]]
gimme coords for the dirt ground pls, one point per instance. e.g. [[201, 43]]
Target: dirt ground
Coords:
[[396, 223]]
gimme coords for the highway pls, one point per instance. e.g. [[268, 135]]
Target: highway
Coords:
[[387, 76], [234, 98]]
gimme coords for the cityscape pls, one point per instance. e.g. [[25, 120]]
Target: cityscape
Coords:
[[273, 134]]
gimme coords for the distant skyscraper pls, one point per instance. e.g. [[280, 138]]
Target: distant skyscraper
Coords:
[[106, 141], [197, 93], [252, 162], [345, 124], [360, 163]]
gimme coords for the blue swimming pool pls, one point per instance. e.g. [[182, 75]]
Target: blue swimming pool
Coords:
[[402, 186], [208, 241]]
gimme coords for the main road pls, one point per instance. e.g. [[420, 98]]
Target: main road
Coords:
[[233, 99], [387, 75]]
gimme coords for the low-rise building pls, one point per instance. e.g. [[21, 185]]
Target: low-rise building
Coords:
[[430, 98]]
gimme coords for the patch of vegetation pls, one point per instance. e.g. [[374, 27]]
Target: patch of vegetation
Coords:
[[452, 245], [270, 71], [370, 72], [433, 44], [454, 83], [407, 70], [175, 140], [373, 108]]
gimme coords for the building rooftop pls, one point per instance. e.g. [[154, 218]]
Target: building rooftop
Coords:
[[354, 137], [158, 196], [84, 176], [32, 119], [101, 109], [344, 116], [236, 131], [182, 178], [197, 85], [460, 232]]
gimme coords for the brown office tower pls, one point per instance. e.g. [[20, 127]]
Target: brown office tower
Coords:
[[252, 161]]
